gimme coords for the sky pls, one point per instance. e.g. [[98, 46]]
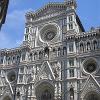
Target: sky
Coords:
[[12, 32]]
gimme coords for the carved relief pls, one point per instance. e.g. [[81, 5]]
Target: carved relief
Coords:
[[57, 70]]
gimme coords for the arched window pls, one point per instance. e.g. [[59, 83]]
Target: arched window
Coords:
[[59, 51], [54, 52], [46, 51], [9, 60], [35, 55], [18, 94], [64, 50], [71, 47], [30, 57], [18, 59], [1, 60], [71, 93], [94, 44], [70, 26], [27, 29], [23, 57], [13, 59], [45, 91], [82, 47], [40, 55], [88, 46], [26, 37], [71, 72]]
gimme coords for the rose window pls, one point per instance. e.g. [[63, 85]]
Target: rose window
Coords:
[[49, 33], [90, 66]]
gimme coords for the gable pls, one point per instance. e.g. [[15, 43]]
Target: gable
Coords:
[[47, 10], [7, 90], [90, 85], [45, 73]]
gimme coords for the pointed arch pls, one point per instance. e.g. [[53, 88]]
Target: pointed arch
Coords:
[[64, 51], [18, 59], [95, 44], [92, 95], [88, 45], [35, 55], [59, 51], [46, 51], [31, 56], [9, 60], [71, 93], [23, 56], [81, 46], [44, 91], [40, 54]]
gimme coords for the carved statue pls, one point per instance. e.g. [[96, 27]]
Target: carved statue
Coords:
[[57, 70]]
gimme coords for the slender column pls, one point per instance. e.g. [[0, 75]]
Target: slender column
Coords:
[[68, 73], [75, 71], [26, 57], [75, 91], [4, 60], [74, 47], [59, 89], [55, 96]]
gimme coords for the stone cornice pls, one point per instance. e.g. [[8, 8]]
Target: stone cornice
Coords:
[[95, 32], [59, 5], [87, 54], [46, 18], [14, 50]]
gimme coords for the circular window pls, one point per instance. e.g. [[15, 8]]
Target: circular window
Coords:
[[48, 32], [11, 76], [90, 66]]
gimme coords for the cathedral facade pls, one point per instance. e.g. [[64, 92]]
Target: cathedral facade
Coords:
[[57, 60]]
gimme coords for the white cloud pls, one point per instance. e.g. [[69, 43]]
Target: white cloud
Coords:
[[13, 30], [15, 18]]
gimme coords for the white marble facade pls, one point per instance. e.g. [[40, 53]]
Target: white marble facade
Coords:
[[58, 60]]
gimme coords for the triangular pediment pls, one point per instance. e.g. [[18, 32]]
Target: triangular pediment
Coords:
[[47, 9], [90, 85], [7, 90], [45, 73]]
